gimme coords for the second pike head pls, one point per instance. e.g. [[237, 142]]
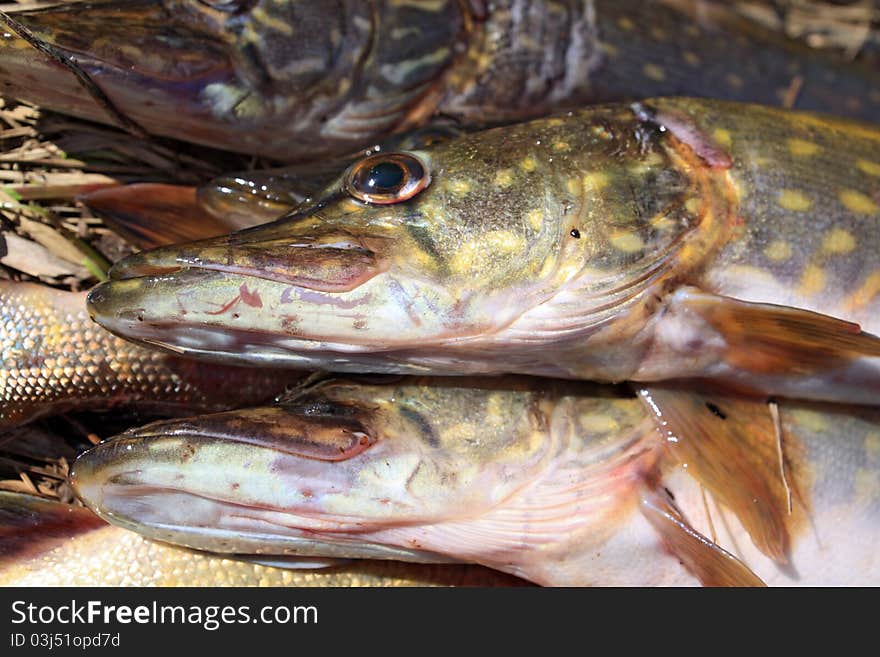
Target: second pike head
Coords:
[[552, 231], [290, 80]]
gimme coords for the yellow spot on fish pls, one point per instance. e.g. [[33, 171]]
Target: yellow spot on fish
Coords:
[[609, 49], [811, 420], [792, 199], [535, 219], [595, 181], [504, 178], [555, 122], [626, 241], [573, 186], [867, 485], [598, 423], [866, 293], [690, 58], [654, 72], [778, 251], [625, 23], [662, 222], [602, 132], [722, 136], [857, 202], [693, 204], [480, 254], [692, 30], [528, 164], [734, 80], [871, 168], [561, 146], [872, 445], [838, 241], [458, 187], [802, 148], [658, 33], [813, 280], [277, 24]]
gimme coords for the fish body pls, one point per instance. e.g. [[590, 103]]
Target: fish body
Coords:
[[558, 482], [46, 543], [672, 239], [306, 80], [55, 359]]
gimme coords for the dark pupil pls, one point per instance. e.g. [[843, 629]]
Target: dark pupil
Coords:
[[385, 177]]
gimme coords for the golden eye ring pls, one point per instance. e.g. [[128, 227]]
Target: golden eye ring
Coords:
[[387, 178]]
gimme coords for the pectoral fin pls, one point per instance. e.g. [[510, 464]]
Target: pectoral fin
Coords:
[[770, 339], [709, 563], [731, 446]]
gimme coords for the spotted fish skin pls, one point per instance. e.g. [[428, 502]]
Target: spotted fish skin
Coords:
[[809, 196], [306, 80], [54, 359], [553, 481], [620, 242]]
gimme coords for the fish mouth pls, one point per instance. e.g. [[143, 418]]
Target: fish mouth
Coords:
[[284, 294], [109, 61], [272, 481]]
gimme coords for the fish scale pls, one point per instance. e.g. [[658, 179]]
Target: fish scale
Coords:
[[54, 358]]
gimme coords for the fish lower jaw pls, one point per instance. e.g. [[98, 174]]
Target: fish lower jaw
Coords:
[[277, 541]]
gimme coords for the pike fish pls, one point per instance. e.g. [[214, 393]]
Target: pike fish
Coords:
[[558, 482], [54, 359], [304, 80], [47, 543], [671, 239]]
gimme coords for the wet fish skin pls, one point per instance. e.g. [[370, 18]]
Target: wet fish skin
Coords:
[[679, 238], [552, 481], [46, 543], [55, 359], [243, 81]]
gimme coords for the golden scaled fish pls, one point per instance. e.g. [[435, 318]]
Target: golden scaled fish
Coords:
[[47, 543], [54, 359], [304, 80], [559, 482], [672, 239]]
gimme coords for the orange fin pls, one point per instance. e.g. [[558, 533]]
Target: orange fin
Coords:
[[710, 563], [768, 338], [731, 446], [152, 214]]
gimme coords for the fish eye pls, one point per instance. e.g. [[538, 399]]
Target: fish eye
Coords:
[[387, 178]]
